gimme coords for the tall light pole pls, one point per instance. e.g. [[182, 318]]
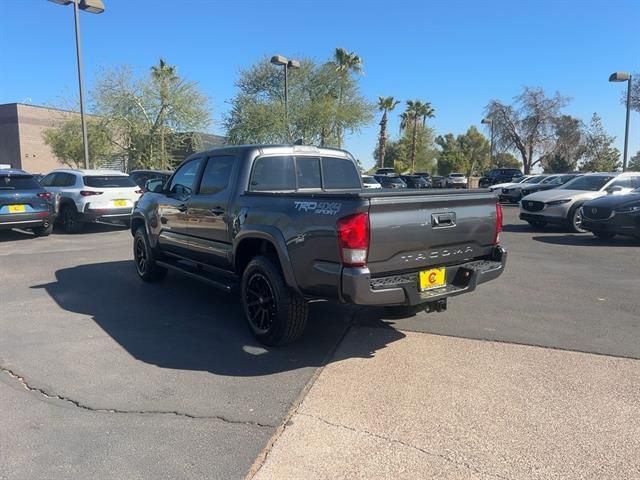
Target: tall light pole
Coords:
[[91, 6], [287, 64], [488, 121], [624, 77]]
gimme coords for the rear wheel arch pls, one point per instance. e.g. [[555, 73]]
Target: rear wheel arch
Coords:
[[260, 242]]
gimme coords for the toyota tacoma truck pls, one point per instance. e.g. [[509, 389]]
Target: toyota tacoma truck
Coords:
[[285, 224]]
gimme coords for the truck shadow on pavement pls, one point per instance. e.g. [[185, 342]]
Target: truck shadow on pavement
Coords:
[[183, 324]]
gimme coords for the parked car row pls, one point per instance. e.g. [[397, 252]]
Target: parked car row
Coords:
[[606, 204], [387, 178], [71, 197]]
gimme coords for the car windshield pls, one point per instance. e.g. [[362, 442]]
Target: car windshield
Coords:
[[109, 181], [536, 179], [456, 175], [18, 182], [395, 180], [549, 179], [561, 179], [588, 182]]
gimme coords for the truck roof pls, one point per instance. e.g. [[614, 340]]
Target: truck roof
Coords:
[[283, 149]]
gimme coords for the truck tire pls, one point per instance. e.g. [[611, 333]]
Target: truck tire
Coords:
[[144, 258], [276, 315], [43, 231], [70, 223]]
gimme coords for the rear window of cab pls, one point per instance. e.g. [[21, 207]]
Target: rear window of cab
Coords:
[[293, 173]]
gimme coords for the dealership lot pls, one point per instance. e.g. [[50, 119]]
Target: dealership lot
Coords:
[[106, 377]]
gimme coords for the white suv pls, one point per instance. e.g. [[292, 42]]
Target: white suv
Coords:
[[92, 196], [456, 180], [561, 205]]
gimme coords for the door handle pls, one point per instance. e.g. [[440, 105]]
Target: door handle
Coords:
[[217, 211], [181, 208]]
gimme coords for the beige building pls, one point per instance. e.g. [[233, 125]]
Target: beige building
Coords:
[[22, 145], [21, 142]]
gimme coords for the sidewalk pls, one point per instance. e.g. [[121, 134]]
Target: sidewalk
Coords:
[[429, 406]]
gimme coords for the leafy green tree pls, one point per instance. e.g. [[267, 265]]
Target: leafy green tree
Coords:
[[527, 125], [467, 153], [385, 105], [257, 111], [506, 160], [634, 163], [65, 141], [568, 147], [599, 153], [149, 116]]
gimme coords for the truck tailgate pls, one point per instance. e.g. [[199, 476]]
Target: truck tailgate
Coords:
[[411, 232]]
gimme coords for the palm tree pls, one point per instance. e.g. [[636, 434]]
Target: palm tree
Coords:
[[414, 111], [345, 63], [163, 75], [385, 104]]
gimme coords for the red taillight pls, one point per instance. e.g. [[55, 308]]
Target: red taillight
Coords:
[[89, 193], [46, 195], [353, 239], [496, 238], [139, 192]]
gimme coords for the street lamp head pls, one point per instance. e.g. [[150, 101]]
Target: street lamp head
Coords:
[[487, 121], [92, 6], [619, 77], [293, 64], [279, 60]]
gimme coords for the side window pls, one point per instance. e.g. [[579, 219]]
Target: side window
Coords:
[[308, 172], [635, 182], [49, 180], [624, 182], [184, 179], [216, 175], [65, 180], [273, 174], [339, 173]]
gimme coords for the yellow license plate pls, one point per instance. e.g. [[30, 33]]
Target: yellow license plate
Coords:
[[120, 203], [17, 209], [434, 278]]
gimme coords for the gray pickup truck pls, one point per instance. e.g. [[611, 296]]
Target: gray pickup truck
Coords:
[[291, 223]]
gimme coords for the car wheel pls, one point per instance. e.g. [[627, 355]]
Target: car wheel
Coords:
[[43, 231], [144, 258], [537, 224], [275, 314], [603, 235], [70, 223], [575, 220]]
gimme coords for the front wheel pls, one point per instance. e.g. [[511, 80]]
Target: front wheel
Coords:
[[575, 220], [144, 258], [276, 315]]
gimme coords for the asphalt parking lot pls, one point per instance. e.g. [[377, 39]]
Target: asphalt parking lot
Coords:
[[106, 377]]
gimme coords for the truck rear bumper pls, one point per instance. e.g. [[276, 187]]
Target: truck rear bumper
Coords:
[[359, 288]]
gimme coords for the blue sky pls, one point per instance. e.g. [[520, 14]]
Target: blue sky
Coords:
[[456, 54]]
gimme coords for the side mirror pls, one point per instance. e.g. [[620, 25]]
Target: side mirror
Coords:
[[154, 186], [614, 189]]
